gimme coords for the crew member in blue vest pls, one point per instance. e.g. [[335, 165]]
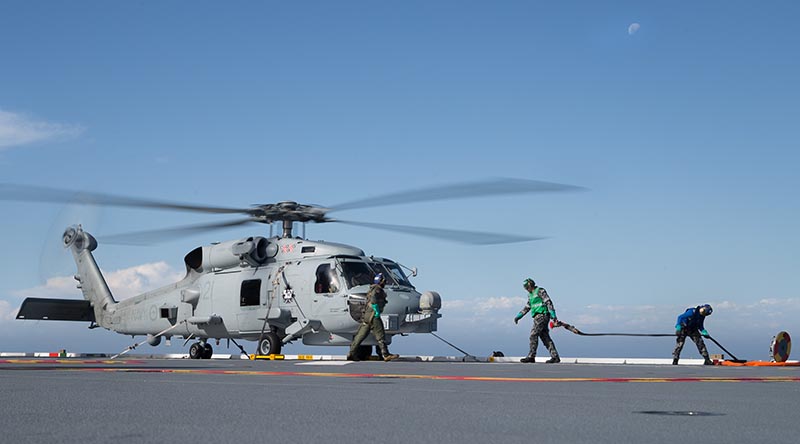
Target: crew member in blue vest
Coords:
[[690, 324], [542, 310]]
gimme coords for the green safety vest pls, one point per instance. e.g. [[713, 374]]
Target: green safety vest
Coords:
[[537, 305]]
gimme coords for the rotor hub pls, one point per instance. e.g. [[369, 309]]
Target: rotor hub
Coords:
[[289, 211]]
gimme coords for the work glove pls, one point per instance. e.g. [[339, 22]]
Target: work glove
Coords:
[[376, 310], [704, 332], [677, 329], [553, 315], [517, 318]]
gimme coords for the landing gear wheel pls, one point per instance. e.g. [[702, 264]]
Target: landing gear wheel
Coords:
[[196, 351], [270, 344], [207, 351], [363, 352]]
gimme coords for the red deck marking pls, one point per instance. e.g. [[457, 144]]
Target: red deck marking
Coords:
[[122, 366], [68, 361], [439, 377]]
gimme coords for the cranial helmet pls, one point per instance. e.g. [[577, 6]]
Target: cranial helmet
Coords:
[[378, 278], [706, 310], [528, 283]]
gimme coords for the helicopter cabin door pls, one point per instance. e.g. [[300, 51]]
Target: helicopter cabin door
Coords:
[[252, 294], [309, 288], [327, 284]]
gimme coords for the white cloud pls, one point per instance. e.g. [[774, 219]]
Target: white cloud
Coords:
[[481, 306], [123, 283], [455, 304], [588, 319], [499, 303], [135, 280], [57, 287], [770, 301], [633, 28], [19, 129], [7, 311], [769, 313], [781, 305]]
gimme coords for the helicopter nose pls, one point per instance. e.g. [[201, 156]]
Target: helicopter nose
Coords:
[[401, 302], [412, 312]]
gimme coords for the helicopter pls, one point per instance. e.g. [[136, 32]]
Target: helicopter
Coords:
[[272, 290]]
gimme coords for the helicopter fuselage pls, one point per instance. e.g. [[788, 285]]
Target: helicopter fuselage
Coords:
[[292, 287]]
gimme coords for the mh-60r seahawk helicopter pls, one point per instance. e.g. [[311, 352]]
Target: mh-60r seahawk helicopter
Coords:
[[271, 290]]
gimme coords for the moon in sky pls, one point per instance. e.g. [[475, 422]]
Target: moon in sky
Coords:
[[633, 28]]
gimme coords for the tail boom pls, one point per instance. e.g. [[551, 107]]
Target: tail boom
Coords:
[[90, 280]]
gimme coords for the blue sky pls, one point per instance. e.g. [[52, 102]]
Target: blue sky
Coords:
[[684, 131]]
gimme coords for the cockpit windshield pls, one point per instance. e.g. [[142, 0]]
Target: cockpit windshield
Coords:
[[395, 273], [362, 273], [357, 273], [379, 268]]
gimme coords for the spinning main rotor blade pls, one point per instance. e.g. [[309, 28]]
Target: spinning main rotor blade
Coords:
[[490, 187], [292, 211], [465, 237], [29, 193], [154, 236]]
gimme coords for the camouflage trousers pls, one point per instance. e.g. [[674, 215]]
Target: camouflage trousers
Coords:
[[698, 340], [375, 325], [541, 330]]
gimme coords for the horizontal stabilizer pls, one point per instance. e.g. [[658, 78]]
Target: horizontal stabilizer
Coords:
[[56, 310]]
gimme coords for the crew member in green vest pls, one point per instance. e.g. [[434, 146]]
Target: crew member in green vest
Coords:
[[542, 310]]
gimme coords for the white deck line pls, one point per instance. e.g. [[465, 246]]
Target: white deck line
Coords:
[[423, 358]]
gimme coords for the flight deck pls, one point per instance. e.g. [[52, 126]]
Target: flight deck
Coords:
[[143, 399]]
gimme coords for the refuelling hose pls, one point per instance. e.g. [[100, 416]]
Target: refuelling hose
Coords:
[[554, 324], [735, 359], [557, 323]]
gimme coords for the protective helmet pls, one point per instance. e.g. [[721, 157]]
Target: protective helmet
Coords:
[[378, 278], [528, 283], [706, 310]]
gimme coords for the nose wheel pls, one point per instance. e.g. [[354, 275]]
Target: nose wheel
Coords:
[[201, 350]]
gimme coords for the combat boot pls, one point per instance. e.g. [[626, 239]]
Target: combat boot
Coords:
[[708, 362], [528, 359], [352, 357], [553, 361], [674, 361], [389, 356]]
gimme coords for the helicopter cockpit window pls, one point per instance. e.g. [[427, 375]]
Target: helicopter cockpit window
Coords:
[[379, 268], [250, 294], [397, 274], [357, 273], [327, 281]]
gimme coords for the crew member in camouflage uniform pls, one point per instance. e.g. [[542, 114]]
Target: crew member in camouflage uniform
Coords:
[[542, 310], [371, 321], [690, 324]]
